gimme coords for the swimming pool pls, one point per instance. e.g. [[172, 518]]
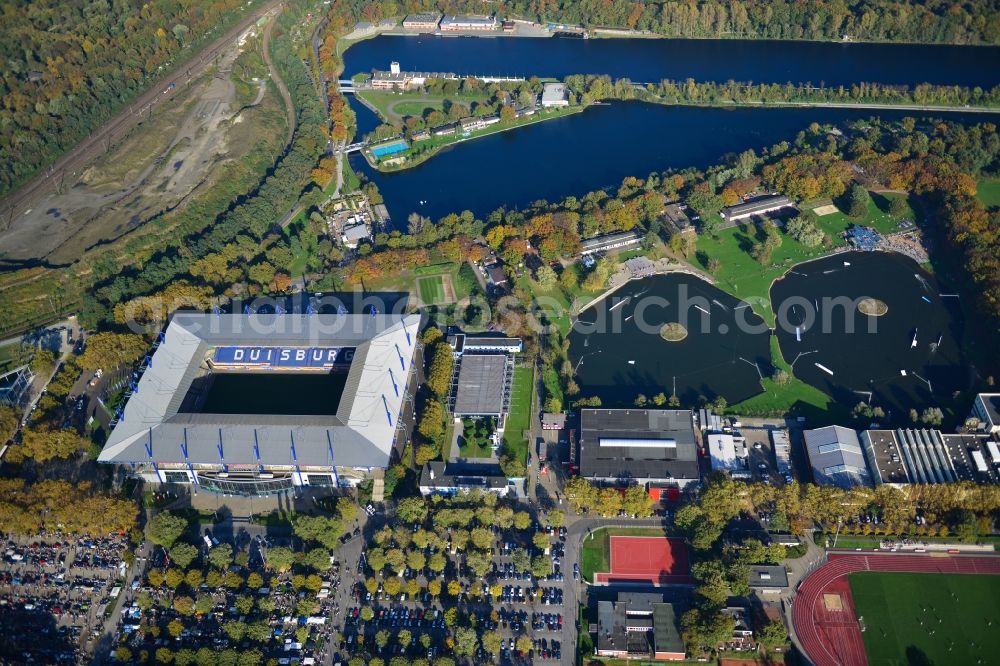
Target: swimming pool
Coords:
[[389, 148]]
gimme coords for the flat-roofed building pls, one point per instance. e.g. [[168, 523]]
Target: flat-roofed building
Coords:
[[639, 626], [768, 579], [759, 206], [986, 410], [782, 452], [450, 478], [728, 453], [462, 343], [974, 456], [553, 421], [904, 456], [422, 21], [462, 22], [638, 445], [554, 95], [600, 244], [836, 457]]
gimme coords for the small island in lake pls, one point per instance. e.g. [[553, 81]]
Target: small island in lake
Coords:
[[872, 307], [673, 332]]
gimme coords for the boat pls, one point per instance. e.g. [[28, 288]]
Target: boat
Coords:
[[698, 307], [798, 334], [926, 299], [631, 362], [847, 263], [913, 343], [622, 302], [902, 372], [628, 317], [824, 369]]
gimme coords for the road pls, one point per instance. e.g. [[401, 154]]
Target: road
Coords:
[[21, 199], [276, 77]]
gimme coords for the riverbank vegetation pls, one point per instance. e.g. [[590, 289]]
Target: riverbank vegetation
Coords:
[[711, 93], [68, 69]]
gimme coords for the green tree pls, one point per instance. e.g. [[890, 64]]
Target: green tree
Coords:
[[221, 556], [858, 201], [280, 558], [165, 528], [773, 635], [183, 554]]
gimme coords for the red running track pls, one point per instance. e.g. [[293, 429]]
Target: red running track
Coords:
[[834, 638]]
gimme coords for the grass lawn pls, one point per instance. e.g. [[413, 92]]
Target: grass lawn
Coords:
[[519, 418], [414, 103], [431, 289], [743, 277], [595, 554], [988, 191], [960, 611], [408, 279], [796, 397]]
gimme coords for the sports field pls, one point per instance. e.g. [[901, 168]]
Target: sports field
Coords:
[[431, 289], [632, 553], [916, 618]]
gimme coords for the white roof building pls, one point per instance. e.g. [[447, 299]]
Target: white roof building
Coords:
[[729, 454]]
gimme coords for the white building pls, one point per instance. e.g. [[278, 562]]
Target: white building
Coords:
[[836, 457], [729, 453], [554, 94]]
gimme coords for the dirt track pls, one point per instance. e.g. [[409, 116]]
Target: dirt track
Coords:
[[67, 167]]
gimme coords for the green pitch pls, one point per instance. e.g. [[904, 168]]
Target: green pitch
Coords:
[[431, 289], [914, 618]]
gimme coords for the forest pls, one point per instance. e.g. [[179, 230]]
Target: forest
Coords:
[[594, 88], [69, 66], [923, 21]]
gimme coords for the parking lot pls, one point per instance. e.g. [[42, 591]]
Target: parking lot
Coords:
[[509, 602], [762, 464], [53, 593]]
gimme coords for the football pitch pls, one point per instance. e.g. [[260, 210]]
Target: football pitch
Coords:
[[915, 618]]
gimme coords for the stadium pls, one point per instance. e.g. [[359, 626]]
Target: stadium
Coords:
[[258, 404]]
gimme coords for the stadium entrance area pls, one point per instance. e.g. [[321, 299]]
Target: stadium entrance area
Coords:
[[312, 394], [245, 484]]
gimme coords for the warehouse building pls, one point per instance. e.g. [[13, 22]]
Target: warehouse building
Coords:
[[836, 457], [623, 446], [460, 22], [259, 404]]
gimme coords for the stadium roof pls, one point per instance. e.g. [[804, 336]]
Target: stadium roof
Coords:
[[360, 434], [482, 381], [663, 444]]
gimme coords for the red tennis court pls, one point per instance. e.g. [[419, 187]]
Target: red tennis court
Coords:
[[656, 560]]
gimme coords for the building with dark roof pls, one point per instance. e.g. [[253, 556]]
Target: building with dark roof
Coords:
[[974, 457], [482, 379], [759, 206], [259, 403], [768, 579], [677, 217], [904, 456], [449, 478], [482, 385], [638, 445], [836, 458], [639, 626]]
